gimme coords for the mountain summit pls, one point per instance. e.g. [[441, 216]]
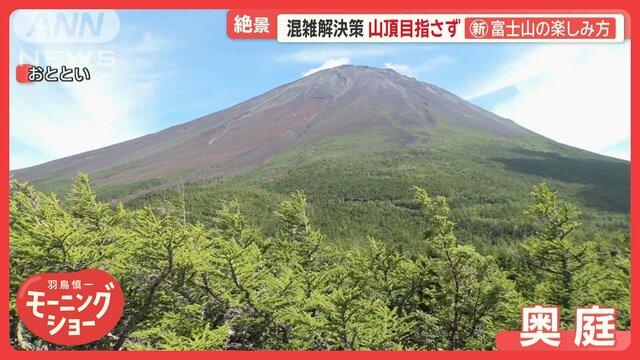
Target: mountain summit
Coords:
[[338, 101], [355, 140], [344, 125]]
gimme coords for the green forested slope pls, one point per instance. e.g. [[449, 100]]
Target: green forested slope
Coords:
[[230, 286], [360, 185]]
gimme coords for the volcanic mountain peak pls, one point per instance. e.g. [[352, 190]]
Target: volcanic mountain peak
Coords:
[[334, 102], [349, 96]]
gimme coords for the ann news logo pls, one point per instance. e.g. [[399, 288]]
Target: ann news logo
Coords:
[[63, 64], [66, 26], [594, 330]]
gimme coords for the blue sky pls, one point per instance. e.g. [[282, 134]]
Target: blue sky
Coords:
[[168, 67]]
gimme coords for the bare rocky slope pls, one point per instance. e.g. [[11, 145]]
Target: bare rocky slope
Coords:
[[343, 100]]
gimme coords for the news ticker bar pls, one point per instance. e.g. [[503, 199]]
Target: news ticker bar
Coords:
[[416, 28]]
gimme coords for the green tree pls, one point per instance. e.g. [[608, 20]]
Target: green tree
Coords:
[[565, 271], [230, 286], [470, 296], [553, 255]]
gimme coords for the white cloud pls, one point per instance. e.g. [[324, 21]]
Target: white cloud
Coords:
[[401, 68], [621, 150], [624, 155], [61, 119], [416, 71], [321, 53], [577, 94], [331, 63]]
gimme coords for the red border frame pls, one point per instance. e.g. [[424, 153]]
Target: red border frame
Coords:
[[467, 6]]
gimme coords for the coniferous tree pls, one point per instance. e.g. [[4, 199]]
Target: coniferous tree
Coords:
[[230, 286], [471, 298], [568, 273]]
